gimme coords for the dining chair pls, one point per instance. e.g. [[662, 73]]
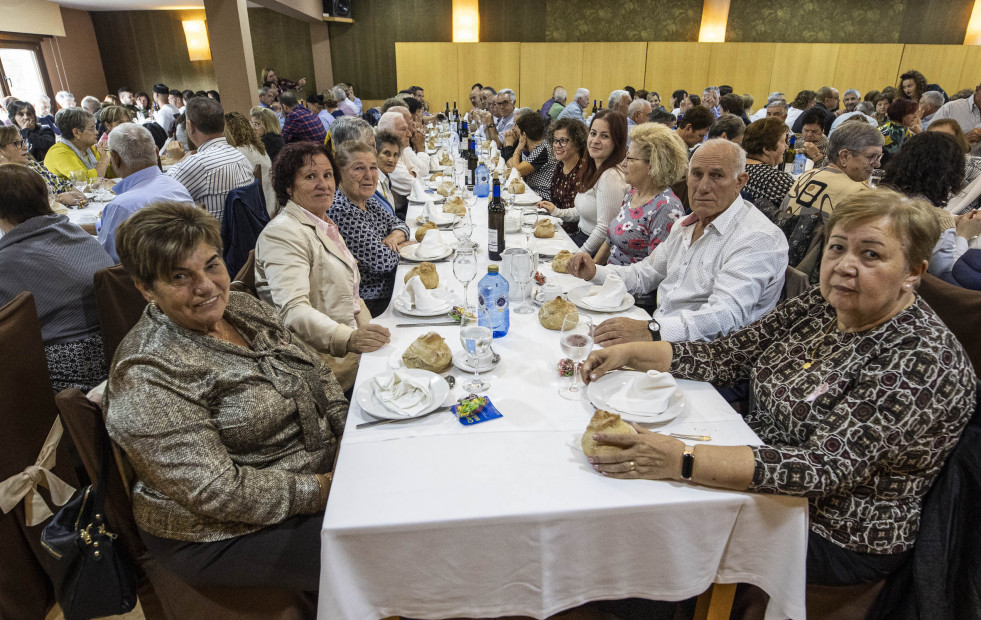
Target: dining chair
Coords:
[[27, 415], [120, 306], [795, 282], [959, 309], [161, 591], [244, 281]]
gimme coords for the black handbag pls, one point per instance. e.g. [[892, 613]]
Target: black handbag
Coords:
[[94, 576]]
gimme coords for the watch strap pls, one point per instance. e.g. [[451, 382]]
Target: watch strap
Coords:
[[688, 462]]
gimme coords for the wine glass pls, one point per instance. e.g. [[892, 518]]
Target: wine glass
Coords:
[[576, 342], [465, 268], [876, 178], [524, 262], [529, 219], [462, 229], [80, 179], [476, 337]]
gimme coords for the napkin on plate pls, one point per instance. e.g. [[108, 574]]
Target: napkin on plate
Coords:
[[434, 161], [434, 215], [610, 295], [432, 245], [417, 296], [648, 393], [514, 175], [418, 193], [402, 394]]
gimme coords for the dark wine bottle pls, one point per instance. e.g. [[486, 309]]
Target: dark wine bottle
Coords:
[[471, 164], [789, 155], [495, 221], [594, 107]]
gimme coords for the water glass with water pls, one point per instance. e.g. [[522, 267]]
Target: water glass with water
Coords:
[[476, 339]]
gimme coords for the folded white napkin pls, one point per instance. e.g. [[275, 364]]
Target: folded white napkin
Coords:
[[435, 214], [514, 175], [501, 168], [434, 161], [432, 245], [417, 296], [418, 193], [610, 295], [646, 394], [512, 224], [403, 395]]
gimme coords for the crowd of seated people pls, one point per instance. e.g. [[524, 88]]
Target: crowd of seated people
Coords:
[[662, 196]]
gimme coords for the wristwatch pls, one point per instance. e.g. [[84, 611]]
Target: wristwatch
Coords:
[[687, 462], [655, 328]]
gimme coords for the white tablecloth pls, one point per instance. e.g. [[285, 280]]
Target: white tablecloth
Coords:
[[431, 519]]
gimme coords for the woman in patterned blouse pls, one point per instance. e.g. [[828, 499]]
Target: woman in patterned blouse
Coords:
[[903, 123], [13, 150], [656, 159], [370, 231], [568, 139], [765, 142], [531, 156], [859, 394]]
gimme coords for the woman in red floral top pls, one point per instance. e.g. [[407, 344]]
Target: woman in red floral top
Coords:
[[568, 138]]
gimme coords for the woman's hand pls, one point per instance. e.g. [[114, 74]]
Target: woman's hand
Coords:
[[371, 337], [548, 206], [394, 240], [969, 227], [602, 361], [648, 455], [915, 125]]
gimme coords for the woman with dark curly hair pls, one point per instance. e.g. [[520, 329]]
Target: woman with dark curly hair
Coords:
[[903, 123], [930, 166], [913, 84], [567, 137]]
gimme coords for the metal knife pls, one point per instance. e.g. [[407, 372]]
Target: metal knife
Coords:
[[437, 324], [418, 417]]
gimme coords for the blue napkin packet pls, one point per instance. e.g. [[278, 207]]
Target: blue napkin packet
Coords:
[[470, 416]]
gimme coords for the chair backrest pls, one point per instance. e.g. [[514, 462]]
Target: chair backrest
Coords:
[[959, 308], [245, 217], [795, 282], [27, 412], [244, 281], [965, 198], [120, 306]]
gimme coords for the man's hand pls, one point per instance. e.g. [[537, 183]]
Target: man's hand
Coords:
[[418, 141], [371, 337], [582, 266], [974, 135], [969, 227], [510, 137], [621, 330]]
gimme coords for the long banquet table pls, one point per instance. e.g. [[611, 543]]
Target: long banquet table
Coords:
[[432, 519]]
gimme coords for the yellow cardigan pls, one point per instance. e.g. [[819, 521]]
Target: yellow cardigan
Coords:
[[62, 160]]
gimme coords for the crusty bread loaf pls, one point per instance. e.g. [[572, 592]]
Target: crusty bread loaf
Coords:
[[604, 422], [545, 229], [560, 261], [553, 311], [516, 186], [426, 272], [428, 352], [455, 206], [446, 188], [423, 229]]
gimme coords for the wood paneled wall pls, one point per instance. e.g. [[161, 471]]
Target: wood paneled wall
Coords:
[[446, 70]]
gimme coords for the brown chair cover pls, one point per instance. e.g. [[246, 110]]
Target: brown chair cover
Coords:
[[794, 283], [244, 281], [120, 306], [959, 308], [27, 411], [162, 593]]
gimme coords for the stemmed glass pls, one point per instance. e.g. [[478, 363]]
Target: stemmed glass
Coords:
[[462, 229], [524, 262], [476, 337], [876, 178], [529, 219], [465, 268], [576, 342], [80, 179]]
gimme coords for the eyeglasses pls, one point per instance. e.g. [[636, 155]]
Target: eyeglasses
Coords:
[[873, 159], [20, 144], [641, 159], [560, 141]]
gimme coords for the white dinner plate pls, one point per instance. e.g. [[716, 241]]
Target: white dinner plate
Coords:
[[430, 195], [440, 292], [602, 389], [447, 224], [462, 361], [527, 198], [365, 395], [548, 248], [409, 253], [576, 296]]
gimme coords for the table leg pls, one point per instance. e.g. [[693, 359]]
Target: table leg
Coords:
[[716, 602]]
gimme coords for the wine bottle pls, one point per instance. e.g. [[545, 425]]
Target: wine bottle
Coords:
[[464, 134], [448, 117], [789, 155], [495, 221], [471, 164], [594, 108]]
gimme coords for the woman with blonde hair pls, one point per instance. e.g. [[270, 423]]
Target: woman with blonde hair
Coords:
[[239, 133], [266, 127]]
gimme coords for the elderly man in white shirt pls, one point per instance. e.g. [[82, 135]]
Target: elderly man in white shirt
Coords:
[[575, 109], [414, 144], [720, 269], [619, 101]]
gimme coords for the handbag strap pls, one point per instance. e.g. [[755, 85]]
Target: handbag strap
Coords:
[[105, 464]]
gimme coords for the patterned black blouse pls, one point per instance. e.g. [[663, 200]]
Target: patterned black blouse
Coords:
[[768, 182], [363, 232], [862, 432], [564, 189]]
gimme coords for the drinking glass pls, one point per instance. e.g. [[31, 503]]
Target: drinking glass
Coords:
[[529, 219], [476, 339], [80, 179], [576, 341], [524, 262], [876, 178], [465, 268], [462, 229]]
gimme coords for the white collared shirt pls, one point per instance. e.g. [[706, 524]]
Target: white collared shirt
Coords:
[[967, 115], [731, 276], [401, 179], [417, 163], [216, 169]]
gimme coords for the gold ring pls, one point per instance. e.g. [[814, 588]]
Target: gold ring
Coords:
[[633, 466]]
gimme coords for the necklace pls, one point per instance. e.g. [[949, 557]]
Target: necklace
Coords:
[[818, 345]]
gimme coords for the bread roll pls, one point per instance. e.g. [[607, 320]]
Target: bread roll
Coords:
[[517, 186], [455, 206], [423, 229], [444, 159], [545, 229], [560, 261], [426, 272], [604, 422], [446, 188], [428, 352], [554, 311]]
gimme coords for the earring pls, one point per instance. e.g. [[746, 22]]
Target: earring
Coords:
[[907, 285]]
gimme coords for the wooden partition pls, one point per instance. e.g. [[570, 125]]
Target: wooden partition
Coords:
[[446, 70]]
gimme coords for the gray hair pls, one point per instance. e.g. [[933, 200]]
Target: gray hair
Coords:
[[63, 96], [775, 96], [339, 92], [559, 94], [134, 145], [352, 128], [711, 89], [70, 119], [778, 104], [868, 108], [729, 124], [932, 97], [387, 120], [733, 150], [853, 137], [44, 98], [852, 91], [637, 105], [582, 92], [288, 99], [510, 94], [91, 104], [264, 90], [615, 97]]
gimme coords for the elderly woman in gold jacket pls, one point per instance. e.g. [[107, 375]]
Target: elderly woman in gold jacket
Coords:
[[230, 422]]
